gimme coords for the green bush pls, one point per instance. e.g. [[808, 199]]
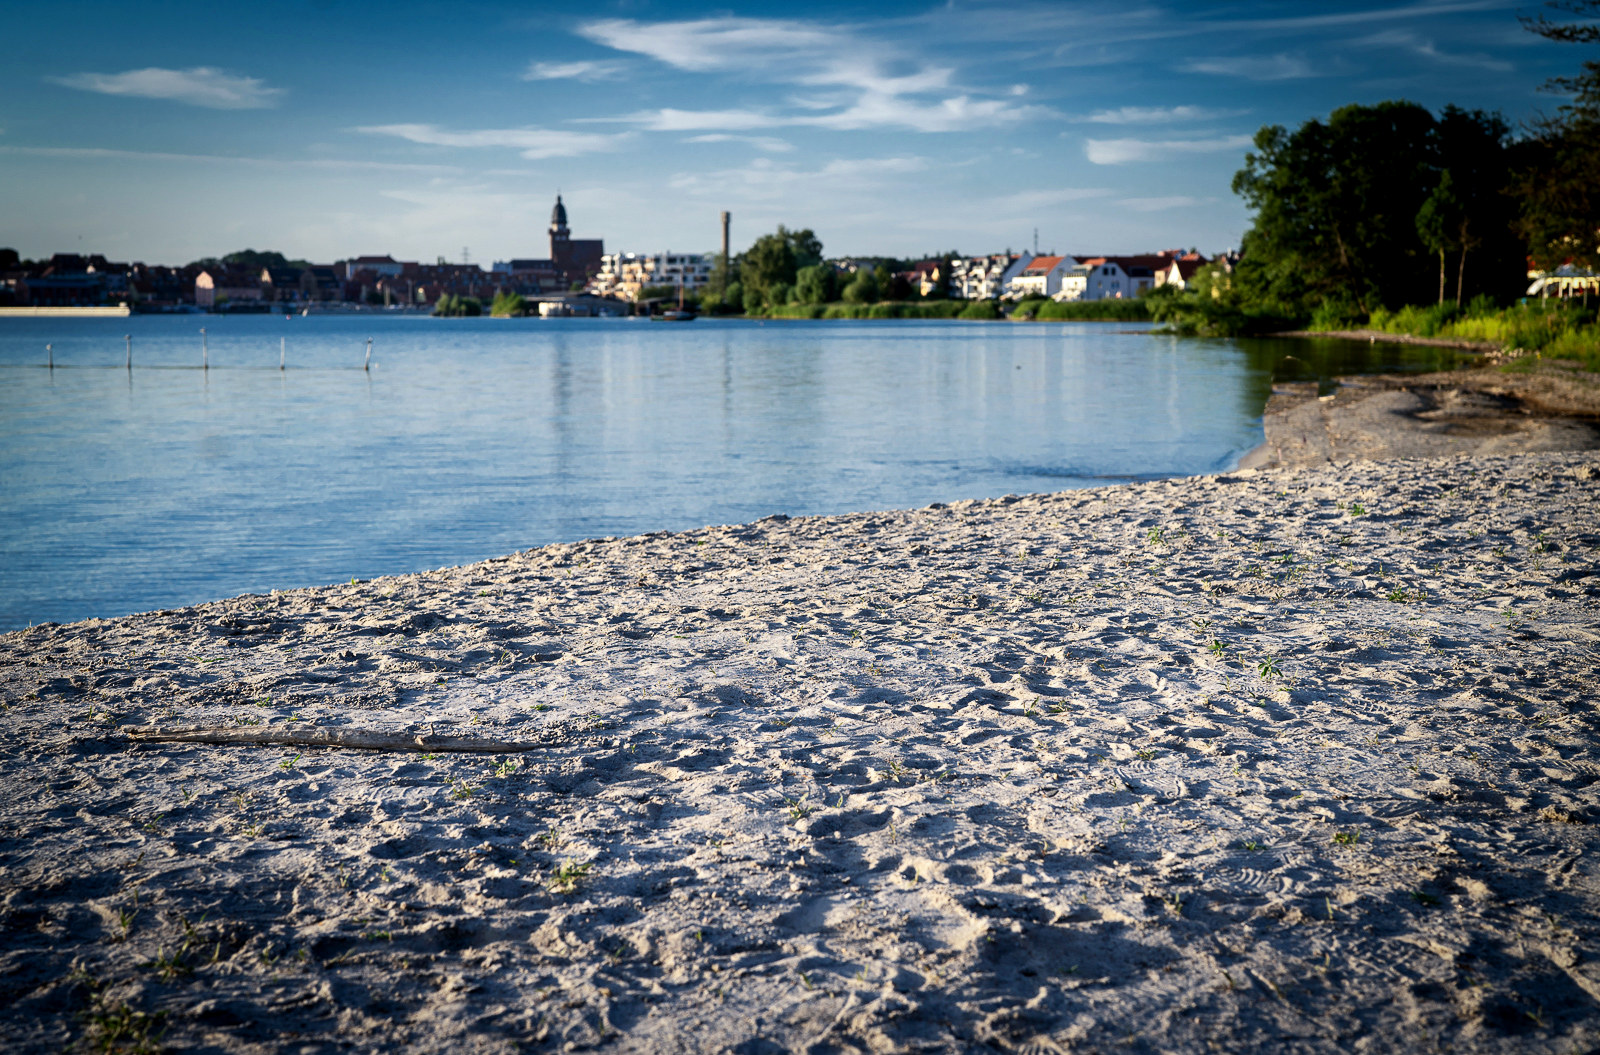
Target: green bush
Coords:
[[456, 306], [1091, 311], [985, 310], [1552, 329], [508, 304], [863, 289]]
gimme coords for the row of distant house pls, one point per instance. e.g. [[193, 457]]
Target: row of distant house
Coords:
[[71, 280], [999, 276], [74, 280]]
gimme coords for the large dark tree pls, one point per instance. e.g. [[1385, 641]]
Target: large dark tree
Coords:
[[1335, 209], [1365, 209], [1487, 252], [1558, 170], [775, 260]]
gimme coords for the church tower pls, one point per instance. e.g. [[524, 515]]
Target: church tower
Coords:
[[560, 234]]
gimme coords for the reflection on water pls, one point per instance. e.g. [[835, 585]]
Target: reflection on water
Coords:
[[170, 484]]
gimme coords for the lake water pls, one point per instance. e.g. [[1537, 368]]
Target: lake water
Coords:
[[124, 491]]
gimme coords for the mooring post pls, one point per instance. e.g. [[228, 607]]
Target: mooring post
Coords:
[[50, 355], [367, 363], [281, 341], [129, 338], [205, 353]]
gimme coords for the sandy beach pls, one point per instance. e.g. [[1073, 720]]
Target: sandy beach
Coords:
[[1300, 759]]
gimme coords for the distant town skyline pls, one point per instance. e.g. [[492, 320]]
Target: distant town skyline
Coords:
[[327, 129]]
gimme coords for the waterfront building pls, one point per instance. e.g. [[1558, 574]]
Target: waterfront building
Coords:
[[216, 286], [1040, 277], [378, 265], [624, 275]]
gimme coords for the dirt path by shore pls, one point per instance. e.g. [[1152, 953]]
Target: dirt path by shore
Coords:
[[1303, 759]]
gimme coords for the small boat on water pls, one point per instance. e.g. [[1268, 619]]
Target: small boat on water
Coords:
[[680, 315]]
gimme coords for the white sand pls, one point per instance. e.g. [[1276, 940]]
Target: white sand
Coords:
[[1298, 760]]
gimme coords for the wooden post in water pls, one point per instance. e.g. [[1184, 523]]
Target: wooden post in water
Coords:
[[281, 341], [50, 355], [129, 338], [367, 363], [205, 353]]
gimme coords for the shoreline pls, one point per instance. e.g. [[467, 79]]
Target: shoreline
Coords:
[[1456, 412], [1220, 760], [1382, 336]]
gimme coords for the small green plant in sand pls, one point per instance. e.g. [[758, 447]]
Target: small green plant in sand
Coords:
[[1201, 625], [506, 768], [1217, 648], [1268, 668], [799, 809], [565, 879], [462, 791], [119, 1028], [1346, 838], [1153, 537], [289, 763], [1252, 845]]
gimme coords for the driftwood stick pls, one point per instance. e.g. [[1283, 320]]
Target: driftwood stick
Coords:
[[358, 739]]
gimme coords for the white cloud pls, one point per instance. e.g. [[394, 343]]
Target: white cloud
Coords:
[[1121, 151], [533, 143], [200, 86], [1280, 67], [573, 71], [1159, 115], [771, 144]]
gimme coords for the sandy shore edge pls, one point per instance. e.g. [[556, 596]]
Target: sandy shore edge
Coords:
[[1293, 758]]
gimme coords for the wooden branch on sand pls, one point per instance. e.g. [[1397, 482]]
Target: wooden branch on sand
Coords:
[[357, 739]]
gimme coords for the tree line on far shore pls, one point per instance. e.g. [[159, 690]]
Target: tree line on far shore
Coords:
[[1393, 218]]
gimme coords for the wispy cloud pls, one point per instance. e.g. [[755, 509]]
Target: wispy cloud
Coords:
[[326, 164], [1406, 40], [1032, 200], [771, 144], [573, 71], [850, 82], [201, 86], [767, 180], [1280, 67], [670, 120], [1176, 201], [532, 143], [1160, 115], [1122, 151]]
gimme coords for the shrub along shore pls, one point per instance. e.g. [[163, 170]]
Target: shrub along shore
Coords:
[[982, 310]]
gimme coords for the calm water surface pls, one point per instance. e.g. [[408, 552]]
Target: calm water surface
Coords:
[[127, 491]]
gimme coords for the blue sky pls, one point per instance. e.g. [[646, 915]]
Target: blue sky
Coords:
[[324, 128]]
